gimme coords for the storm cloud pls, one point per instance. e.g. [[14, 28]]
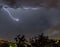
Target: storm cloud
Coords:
[[31, 20], [30, 3]]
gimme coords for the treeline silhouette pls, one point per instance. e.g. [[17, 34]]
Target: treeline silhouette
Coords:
[[36, 41]]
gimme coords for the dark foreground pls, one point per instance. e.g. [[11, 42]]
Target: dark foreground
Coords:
[[37, 41]]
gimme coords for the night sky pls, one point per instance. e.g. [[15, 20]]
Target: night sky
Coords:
[[30, 21]]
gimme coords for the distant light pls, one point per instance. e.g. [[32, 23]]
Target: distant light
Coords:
[[10, 46], [57, 42]]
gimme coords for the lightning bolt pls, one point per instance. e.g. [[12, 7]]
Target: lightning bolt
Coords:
[[15, 19], [31, 8]]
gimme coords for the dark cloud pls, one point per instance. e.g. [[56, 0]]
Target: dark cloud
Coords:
[[31, 3]]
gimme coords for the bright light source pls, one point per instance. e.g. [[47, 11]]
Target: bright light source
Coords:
[[17, 20], [10, 46]]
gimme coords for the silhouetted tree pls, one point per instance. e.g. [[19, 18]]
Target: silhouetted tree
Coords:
[[20, 39]]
